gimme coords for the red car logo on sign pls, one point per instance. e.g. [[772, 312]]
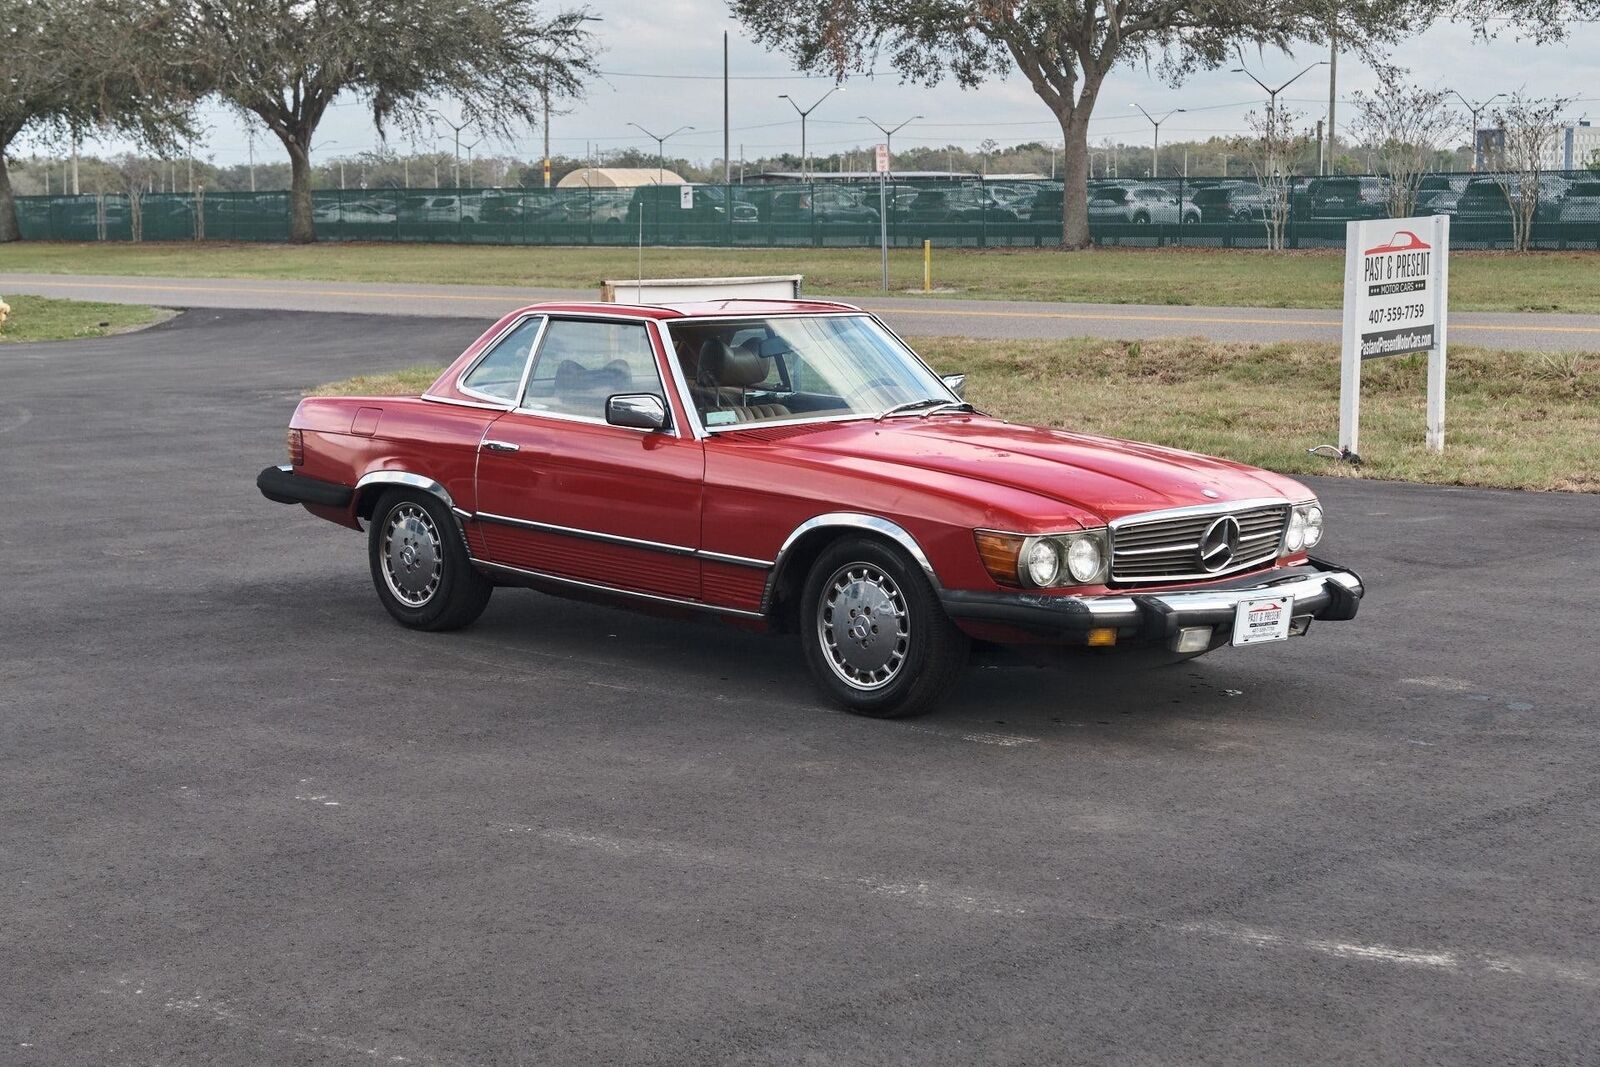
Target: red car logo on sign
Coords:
[[1402, 241]]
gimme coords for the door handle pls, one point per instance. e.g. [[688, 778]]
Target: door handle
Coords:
[[501, 446]]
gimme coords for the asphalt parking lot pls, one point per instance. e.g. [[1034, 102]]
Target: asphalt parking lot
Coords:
[[248, 820]]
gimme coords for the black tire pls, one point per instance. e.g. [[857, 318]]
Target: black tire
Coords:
[[446, 591], [1141, 219], [877, 583]]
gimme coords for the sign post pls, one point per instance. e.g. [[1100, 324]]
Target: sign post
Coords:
[[1396, 301], [883, 209]]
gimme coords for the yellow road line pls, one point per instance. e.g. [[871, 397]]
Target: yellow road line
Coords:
[[1081, 316]]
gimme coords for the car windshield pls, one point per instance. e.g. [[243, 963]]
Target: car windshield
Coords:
[[795, 368]]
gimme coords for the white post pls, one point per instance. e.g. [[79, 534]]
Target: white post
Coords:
[[1350, 359], [1441, 316]]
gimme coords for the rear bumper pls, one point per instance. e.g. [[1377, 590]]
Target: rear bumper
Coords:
[[1320, 590], [282, 485]]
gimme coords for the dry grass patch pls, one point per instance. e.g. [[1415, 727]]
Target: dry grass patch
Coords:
[[1516, 420]]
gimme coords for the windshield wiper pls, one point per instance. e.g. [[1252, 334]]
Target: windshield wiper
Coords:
[[949, 405], [911, 405]]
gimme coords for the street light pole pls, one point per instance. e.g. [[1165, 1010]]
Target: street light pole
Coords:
[[805, 158], [888, 135], [1155, 151], [661, 147], [457, 129], [1476, 110], [1272, 106], [470, 147]]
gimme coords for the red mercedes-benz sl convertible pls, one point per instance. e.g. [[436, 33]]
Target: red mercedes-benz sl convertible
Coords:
[[795, 466]]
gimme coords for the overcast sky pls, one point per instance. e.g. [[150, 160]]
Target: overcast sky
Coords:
[[684, 38]]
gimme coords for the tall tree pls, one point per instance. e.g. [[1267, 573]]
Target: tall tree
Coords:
[[1065, 48], [71, 67], [285, 61]]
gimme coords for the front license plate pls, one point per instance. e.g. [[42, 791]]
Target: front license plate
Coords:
[[1263, 619]]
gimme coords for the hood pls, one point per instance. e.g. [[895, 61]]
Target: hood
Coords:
[[1103, 476]]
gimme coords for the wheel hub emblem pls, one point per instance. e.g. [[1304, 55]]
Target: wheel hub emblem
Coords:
[[860, 628], [408, 557], [1219, 544]]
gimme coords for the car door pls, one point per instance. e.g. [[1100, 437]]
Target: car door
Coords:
[[563, 493]]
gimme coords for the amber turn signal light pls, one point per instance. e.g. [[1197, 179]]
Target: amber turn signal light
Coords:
[[1102, 636], [999, 553]]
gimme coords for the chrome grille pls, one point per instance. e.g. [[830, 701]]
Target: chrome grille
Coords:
[[1167, 548]]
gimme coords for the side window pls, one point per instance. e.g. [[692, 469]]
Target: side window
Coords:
[[580, 363], [500, 372]]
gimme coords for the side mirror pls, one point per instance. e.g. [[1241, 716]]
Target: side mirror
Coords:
[[956, 383], [641, 411]]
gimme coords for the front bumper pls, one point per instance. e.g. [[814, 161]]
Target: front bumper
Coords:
[[1320, 590], [282, 485]]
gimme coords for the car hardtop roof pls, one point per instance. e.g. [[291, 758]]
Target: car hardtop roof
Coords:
[[696, 309]]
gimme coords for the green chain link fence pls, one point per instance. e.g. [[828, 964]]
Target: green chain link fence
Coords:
[[1564, 212]]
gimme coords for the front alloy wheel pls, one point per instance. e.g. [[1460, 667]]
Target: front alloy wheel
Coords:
[[875, 636], [863, 626]]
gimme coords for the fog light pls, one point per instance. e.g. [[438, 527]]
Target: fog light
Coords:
[[1192, 639], [1299, 626], [1102, 636]]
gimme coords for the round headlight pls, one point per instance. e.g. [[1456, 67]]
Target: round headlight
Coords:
[[1313, 526], [1043, 563], [1295, 537], [1084, 559]]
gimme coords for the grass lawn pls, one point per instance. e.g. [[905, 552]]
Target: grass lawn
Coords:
[[1480, 281], [1516, 420], [38, 318]]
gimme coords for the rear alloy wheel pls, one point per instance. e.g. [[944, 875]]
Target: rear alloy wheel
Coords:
[[420, 566], [876, 639]]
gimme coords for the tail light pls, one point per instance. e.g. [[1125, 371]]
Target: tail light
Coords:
[[297, 449]]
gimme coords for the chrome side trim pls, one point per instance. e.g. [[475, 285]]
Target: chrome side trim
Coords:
[[737, 561], [1193, 510], [406, 478], [458, 402], [588, 535], [614, 591], [851, 521]]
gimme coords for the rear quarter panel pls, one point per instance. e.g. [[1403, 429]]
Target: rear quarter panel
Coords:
[[347, 438]]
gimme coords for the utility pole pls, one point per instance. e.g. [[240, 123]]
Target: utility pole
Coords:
[[250, 140], [888, 139], [1333, 98], [1272, 108], [1322, 158], [547, 137], [75, 164], [805, 158], [1476, 110], [661, 147], [1155, 150], [727, 163]]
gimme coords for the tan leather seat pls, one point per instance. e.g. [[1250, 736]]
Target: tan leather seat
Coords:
[[722, 376]]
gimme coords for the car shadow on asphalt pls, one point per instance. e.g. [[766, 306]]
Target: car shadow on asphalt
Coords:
[[690, 661]]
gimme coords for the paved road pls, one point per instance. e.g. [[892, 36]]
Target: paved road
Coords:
[[247, 820], [913, 316]]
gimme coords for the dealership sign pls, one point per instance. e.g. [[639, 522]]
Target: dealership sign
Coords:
[[1396, 293]]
